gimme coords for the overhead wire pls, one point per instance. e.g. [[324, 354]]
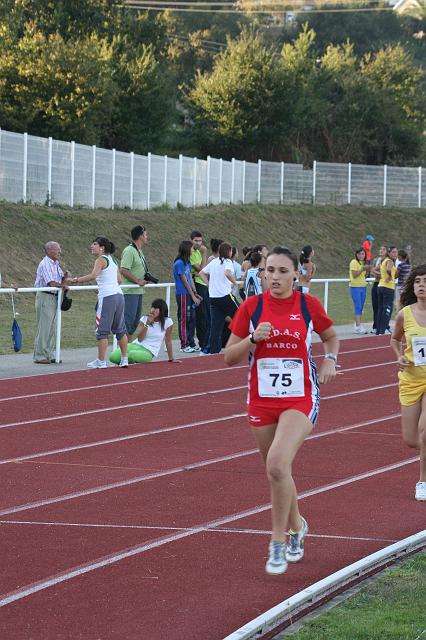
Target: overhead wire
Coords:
[[158, 5]]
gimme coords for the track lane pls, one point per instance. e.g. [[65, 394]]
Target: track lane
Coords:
[[129, 606]]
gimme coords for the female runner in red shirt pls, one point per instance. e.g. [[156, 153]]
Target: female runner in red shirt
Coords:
[[274, 329]]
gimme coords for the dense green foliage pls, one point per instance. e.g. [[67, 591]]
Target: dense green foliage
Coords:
[[262, 102], [341, 87]]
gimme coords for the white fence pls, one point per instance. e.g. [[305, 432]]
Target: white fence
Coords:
[[47, 171], [168, 286]]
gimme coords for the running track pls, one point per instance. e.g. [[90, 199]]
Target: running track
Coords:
[[135, 506]]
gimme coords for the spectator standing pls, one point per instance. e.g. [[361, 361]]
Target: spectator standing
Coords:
[[214, 246], [367, 245], [219, 274], [110, 307], [402, 272], [307, 268], [374, 293], [238, 271], [386, 290], [49, 274], [410, 324], [133, 268], [255, 282], [198, 259], [358, 269], [187, 297]]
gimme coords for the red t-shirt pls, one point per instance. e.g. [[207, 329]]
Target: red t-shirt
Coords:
[[282, 370], [366, 245]]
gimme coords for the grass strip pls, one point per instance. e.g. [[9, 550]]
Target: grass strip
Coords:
[[390, 607]]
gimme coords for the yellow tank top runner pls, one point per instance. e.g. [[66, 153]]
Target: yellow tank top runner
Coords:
[[415, 351]]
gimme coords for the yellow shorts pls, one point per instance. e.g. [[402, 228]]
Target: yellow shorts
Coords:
[[411, 392]]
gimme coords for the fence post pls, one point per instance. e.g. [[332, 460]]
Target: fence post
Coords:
[[232, 180], [326, 296], [25, 169], [314, 181], [72, 177], [93, 175], [420, 188], [58, 327], [194, 184], [220, 179], [244, 183], [208, 181], [113, 180], [180, 178], [385, 183], [168, 297], [165, 180], [349, 181], [259, 179], [148, 192], [282, 183], [49, 172], [132, 178]]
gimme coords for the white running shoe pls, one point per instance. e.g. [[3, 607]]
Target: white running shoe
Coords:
[[196, 348], [296, 547], [188, 350], [124, 362], [360, 329], [276, 563], [97, 364], [421, 491]]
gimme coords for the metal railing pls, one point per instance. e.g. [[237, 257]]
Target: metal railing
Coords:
[[168, 286], [48, 171]]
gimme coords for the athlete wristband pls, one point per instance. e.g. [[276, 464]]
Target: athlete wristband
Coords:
[[251, 337], [331, 356]]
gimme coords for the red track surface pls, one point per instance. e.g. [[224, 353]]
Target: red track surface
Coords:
[[134, 504]]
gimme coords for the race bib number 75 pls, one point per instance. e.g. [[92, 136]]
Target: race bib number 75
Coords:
[[280, 378]]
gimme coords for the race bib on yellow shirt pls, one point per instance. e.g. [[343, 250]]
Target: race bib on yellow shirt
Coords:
[[280, 378], [418, 344]]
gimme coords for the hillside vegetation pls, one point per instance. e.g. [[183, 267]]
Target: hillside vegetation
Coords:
[[334, 232]]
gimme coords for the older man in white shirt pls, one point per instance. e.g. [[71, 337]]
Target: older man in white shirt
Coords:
[[49, 274]]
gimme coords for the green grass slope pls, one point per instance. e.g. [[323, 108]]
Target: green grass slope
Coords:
[[334, 232]]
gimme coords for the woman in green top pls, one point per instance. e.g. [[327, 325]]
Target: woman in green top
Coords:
[[358, 269]]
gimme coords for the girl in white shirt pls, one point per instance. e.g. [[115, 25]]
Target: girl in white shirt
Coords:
[[153, 329], [219, 274], [110, 307]]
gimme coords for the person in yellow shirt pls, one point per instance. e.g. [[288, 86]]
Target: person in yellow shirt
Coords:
[[386, 290], [358, 269], [410, 324]]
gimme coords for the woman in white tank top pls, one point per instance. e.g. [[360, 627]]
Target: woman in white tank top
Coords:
[[110, 307]]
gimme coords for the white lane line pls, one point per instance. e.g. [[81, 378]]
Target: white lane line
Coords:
[[268, 533], [165, 472], [169, 399], [80, 570], [189, 425], [125, 483], [121, 406], [88, 525], [153, 379], [118, 384]]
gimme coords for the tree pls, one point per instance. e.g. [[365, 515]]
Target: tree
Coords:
[[234, 107]]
